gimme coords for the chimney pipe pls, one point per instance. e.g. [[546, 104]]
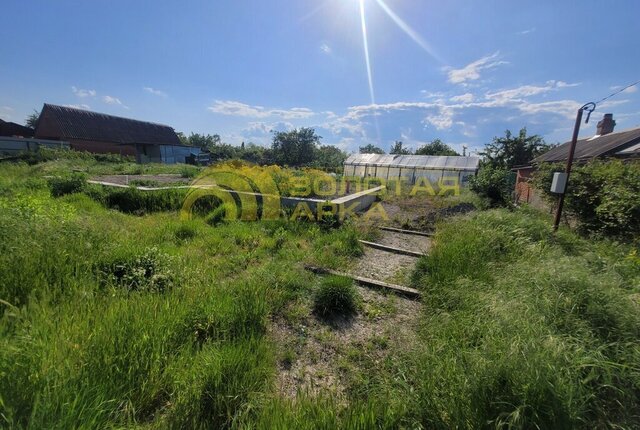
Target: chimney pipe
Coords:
[[606, 124]]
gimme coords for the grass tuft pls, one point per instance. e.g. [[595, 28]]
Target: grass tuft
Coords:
[[335, 296]]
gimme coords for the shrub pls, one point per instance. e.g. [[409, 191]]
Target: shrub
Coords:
[[74, 183], [147, 270], [493, 184], [336, 295], [604, 196]]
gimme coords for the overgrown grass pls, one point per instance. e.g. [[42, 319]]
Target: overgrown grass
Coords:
[[110, 320], [114, 320], [524, 330]]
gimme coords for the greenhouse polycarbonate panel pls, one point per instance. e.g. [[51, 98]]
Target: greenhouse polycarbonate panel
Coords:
[[420, 161]]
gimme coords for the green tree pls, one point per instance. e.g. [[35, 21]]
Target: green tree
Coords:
[[296, 147], [183, 139], [32, 119], [371, 149], [329, 157], [509, 151], [436, 147], [397, 149]]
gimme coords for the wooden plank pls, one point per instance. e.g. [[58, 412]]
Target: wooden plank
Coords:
[[392, 249], [398, 289], [399, 230]]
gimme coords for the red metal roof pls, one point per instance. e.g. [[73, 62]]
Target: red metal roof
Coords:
[[71, 123]]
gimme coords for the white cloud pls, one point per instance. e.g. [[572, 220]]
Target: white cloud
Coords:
[[235, 108], [463, 98], [443, 120], [5, 112], [83, 93], [263, 128], [527, 31], [326, 49], [629, 90], [443, 113], [471, 72], [432, 95], [516, 94], [155, 92], [79, 106], [113, 101]]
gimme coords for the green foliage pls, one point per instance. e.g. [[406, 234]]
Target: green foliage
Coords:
[[398, 149], [436, 147], [371, 149], [529, 331], [147, 270], [335, 296], [604, 196], [74, 183], [493, 184], [296, 147], [138, 202], [510, 151], [329, 157], [32, 119]]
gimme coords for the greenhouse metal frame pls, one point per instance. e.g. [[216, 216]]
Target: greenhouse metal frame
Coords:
[[411, 167]]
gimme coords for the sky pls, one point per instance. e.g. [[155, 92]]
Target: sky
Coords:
[[358, 71]]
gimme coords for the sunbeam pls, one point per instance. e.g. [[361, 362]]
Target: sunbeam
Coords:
[[409, 31], [365, 43]]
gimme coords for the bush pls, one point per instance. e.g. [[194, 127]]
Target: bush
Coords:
[[604, 196], [147, 270], [493, 184], [336, 295], [75, 183]]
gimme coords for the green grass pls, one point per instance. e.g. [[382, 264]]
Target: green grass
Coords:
[[111, 320], [525, 330], [335, 296], [115, 320]]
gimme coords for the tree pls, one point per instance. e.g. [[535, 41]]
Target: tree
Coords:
[[436, 147], [183, 139], [329, 157], [32, 119], [296, 147], [371, 149], [397, 149], [510, 151]]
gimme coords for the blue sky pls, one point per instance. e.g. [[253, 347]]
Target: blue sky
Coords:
[[462, 71]]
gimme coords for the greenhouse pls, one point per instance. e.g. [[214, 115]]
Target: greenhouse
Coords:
[[411, 167]]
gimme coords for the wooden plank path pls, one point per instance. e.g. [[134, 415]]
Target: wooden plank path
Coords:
[[392, 249], [399, 230], [398, 289]]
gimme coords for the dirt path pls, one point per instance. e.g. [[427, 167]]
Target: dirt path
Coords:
[[389, 267], [317, 356]]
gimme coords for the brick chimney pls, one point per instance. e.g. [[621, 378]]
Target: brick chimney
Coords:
[[606, 124]]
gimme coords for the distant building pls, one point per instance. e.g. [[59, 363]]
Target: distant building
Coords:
[[605, 144], [107, 134], [11, 129]]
